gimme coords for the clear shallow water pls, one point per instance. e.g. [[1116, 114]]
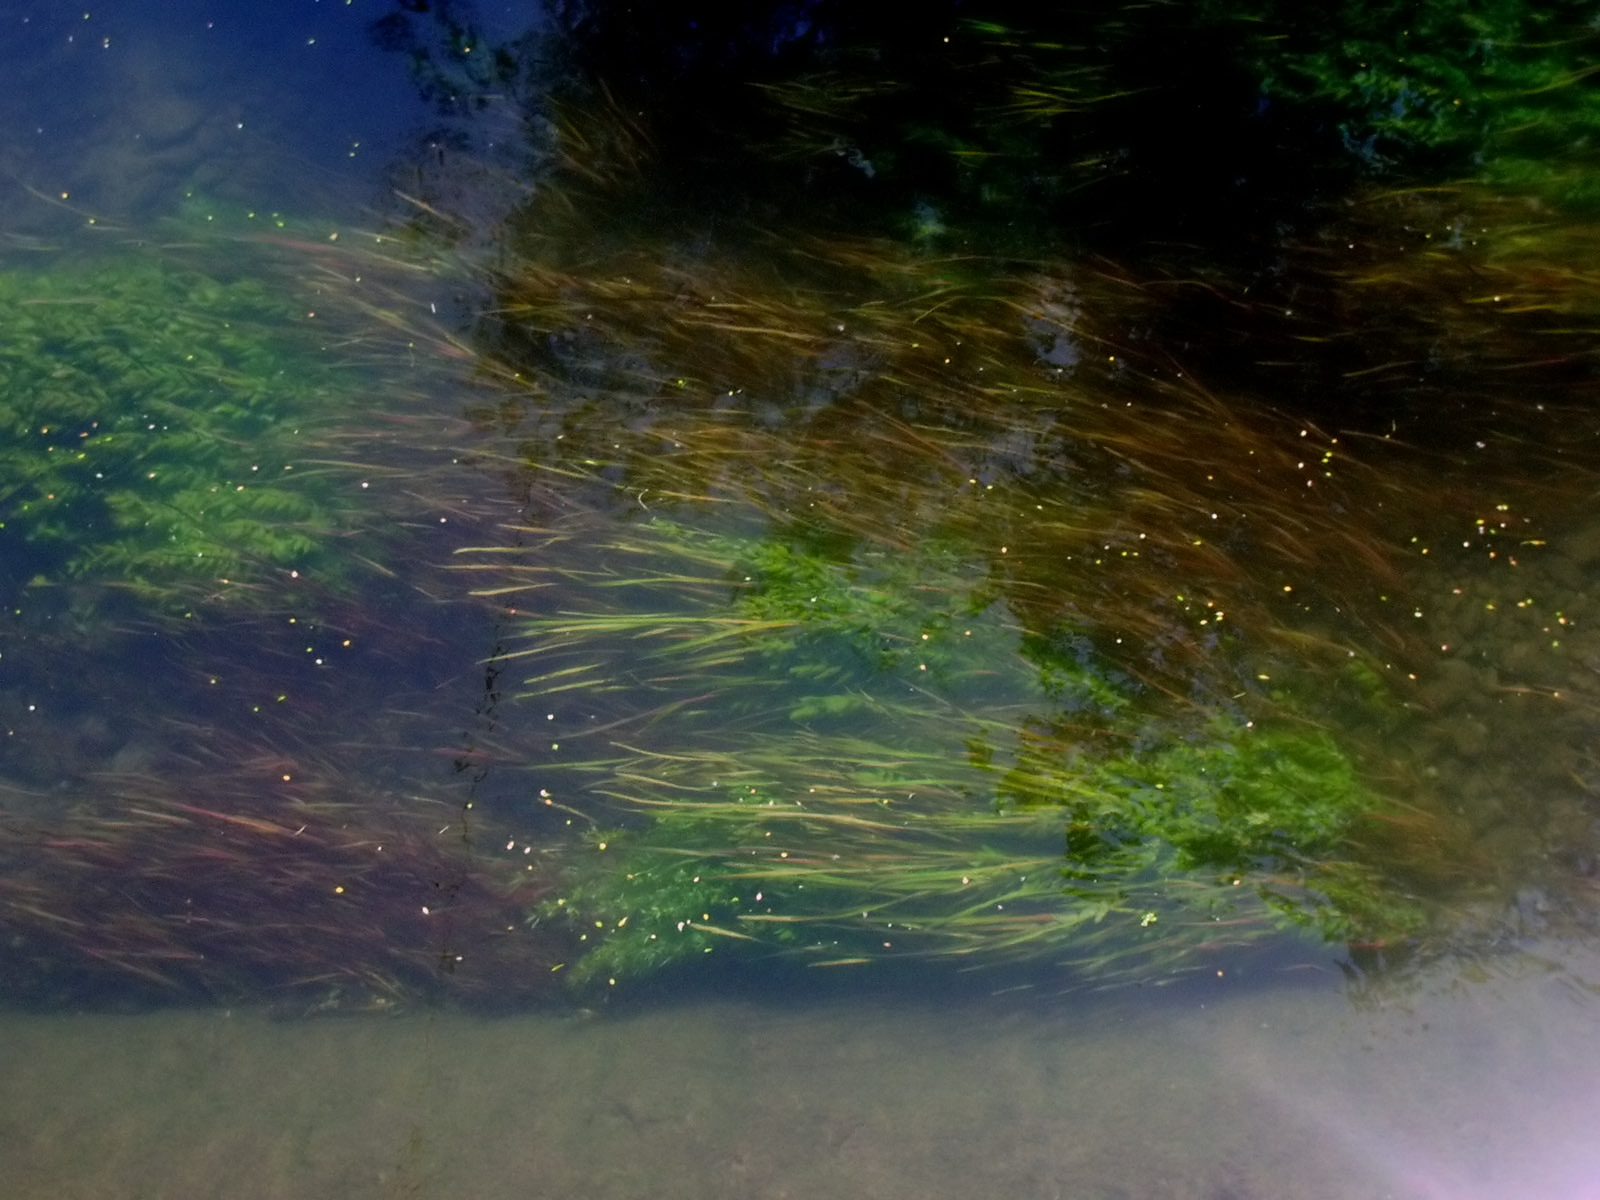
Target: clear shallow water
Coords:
[[1261, 1071], [1471, 1092]]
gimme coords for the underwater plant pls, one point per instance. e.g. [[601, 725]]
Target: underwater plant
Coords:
[[167, 432], [842, 757], [838, 850], [847, 569], [1440, 91], [1010, 127], [903, 551], [324, 896]]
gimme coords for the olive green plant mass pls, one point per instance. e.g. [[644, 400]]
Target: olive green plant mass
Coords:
[[1497, 90], [159, 431]]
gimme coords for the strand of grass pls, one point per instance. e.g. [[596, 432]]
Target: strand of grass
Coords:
[[646, 625], [817, 759], [708, 811], [951, 807]]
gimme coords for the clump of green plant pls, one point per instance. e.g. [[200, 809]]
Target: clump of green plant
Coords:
[[1224, 797], [842, 851], [781, 627], [777, 628], [1500, 90], [894, 768], [157, 432]]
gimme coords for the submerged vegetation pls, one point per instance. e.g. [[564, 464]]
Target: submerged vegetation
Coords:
[[1500, 91], [851, 575], [850, 764], [909, 614], [323, 896], [162, 431], [1011, 126]]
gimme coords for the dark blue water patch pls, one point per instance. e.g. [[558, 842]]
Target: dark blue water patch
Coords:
[[121, 110]]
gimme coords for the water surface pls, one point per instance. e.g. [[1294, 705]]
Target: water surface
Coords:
[[531, 519]]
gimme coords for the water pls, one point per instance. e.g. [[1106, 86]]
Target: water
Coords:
[[1275, 1090], [513, 680]]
